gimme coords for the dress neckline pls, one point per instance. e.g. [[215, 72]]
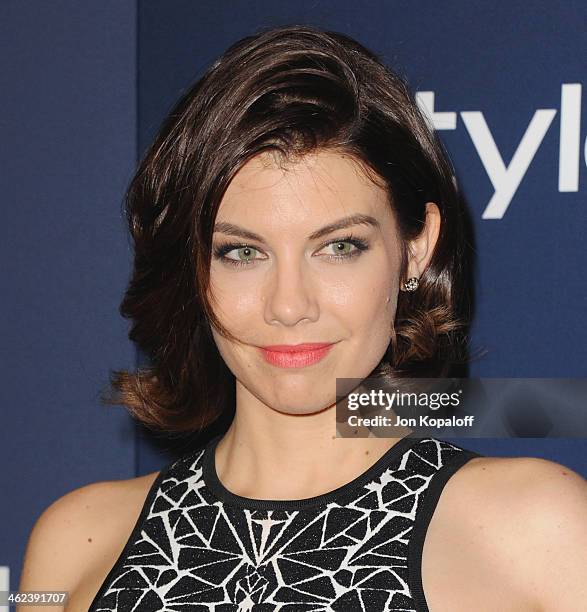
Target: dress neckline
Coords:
[[214, 484]]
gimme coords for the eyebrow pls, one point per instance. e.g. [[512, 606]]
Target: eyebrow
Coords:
[[357, 219]]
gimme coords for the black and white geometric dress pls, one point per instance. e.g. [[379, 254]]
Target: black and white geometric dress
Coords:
[[197, 546]]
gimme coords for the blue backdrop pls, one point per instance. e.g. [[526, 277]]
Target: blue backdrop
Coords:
[[83, 89]]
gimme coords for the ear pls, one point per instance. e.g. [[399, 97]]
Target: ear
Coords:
[[421, 248]]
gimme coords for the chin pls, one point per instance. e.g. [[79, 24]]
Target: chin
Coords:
[[300, 410], [301, 401]]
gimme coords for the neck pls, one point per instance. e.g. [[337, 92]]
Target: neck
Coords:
[[266, 454]]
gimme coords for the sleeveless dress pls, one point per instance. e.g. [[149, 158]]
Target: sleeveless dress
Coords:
[[197, 546]]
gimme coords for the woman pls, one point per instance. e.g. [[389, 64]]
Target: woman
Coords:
[[297, 222]]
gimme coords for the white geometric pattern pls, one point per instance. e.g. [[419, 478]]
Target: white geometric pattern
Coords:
[[194, 548]]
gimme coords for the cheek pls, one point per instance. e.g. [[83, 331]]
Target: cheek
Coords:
[[236, 300], [368, 295], [342, 293], [244, 305], [365, 292]]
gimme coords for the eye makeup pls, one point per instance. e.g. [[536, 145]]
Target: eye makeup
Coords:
[[361, 245]]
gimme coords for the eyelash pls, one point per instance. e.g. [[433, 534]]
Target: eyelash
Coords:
[[359, 244]]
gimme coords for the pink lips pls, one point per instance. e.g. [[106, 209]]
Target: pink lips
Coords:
[[295, 355]]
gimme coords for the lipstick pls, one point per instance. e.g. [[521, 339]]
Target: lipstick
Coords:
[[295, 355]]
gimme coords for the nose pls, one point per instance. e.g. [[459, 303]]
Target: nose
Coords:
[[290, 295]]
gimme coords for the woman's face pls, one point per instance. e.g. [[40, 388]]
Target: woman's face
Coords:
[[288, 286]]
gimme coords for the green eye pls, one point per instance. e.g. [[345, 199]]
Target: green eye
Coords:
[[244, 254], [345, 250]]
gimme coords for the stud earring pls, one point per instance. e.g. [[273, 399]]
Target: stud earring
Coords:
[[412, 283]]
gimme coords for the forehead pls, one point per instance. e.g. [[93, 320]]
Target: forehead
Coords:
[[317, 186]]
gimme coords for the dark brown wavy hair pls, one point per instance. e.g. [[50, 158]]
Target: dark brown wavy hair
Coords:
[[291, 90]]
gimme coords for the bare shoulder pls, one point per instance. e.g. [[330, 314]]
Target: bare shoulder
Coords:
[[523, 520], [82, 530], [521, 488], [493, 480]]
